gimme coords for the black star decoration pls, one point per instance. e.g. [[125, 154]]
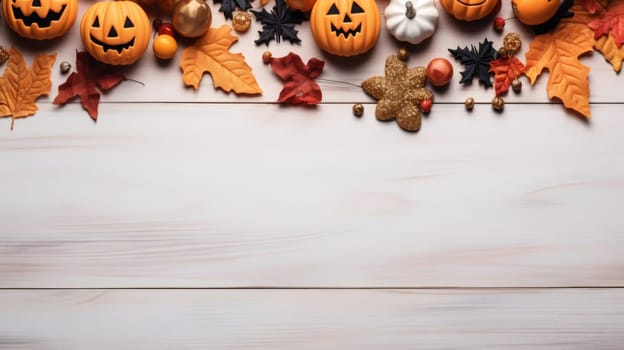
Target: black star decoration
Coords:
[[279, 24], [477, 62], [228, 6]]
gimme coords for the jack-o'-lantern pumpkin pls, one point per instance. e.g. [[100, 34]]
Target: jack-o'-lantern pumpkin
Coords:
[[535, 12], [115, 32], [469, 10], [40, 19], [345, 27]]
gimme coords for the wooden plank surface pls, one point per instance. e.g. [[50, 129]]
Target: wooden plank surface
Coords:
[[219, 195], [312, 319]]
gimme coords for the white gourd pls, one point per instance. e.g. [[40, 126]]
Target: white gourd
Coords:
[[411, 20]]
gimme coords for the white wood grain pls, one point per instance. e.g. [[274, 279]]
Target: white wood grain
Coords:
[[316, 319], [163, 81], [214, 195]]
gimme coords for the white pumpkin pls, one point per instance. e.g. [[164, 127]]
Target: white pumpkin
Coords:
[[411, 20]]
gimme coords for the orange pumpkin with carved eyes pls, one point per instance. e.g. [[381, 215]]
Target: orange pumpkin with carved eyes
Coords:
[[345, 27], [535, 12], [115, 32], [469, 10], [40, 19]]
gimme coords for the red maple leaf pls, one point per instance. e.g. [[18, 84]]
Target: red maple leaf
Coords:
[[82, 83], [299, 85], [505, 70], [610, 20]]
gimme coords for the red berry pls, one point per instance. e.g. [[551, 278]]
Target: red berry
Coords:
[[499, 23], [425, 105], [166, 28]]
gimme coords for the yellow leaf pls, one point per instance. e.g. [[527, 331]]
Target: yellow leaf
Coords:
[[558, 52], [211, 54], [20, 86], [608, 48]]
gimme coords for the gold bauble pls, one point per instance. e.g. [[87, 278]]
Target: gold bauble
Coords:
[[191, 18], [241, 21]]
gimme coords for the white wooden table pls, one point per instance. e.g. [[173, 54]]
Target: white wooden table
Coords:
[[200, 220]]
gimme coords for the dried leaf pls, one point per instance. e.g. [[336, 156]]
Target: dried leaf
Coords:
[[90, 75], [278, 24], [593, 6], [211, 54], [558, 52], [611, 20], [20, 86], [505, 70], [477, 62], [608, 48], [299, 85]]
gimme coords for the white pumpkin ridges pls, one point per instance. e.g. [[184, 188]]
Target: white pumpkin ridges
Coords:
[[413, 30]]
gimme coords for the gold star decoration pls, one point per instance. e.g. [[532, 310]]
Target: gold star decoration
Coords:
[[399, 93]]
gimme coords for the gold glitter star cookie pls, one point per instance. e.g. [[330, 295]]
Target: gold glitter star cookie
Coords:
[[399, 93]]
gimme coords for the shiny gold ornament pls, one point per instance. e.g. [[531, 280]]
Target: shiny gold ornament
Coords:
[[191, 18], [469, 103], [358, 109], [4, 55], [241, 21], [516, 85], [498, 103], [403, 54], [65, 67]]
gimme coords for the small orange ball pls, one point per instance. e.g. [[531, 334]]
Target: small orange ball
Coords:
[[266, 57], [165, 46], [439, 71]]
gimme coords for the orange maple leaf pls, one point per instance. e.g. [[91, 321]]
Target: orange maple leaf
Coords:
[[20, 86], [210, 53], [610, 21], [558, 51], [608, 48], [505, 70]]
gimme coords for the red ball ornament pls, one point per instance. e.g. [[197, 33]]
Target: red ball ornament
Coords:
[[166, 28], [425, 105], [439, 71], [499, 23]]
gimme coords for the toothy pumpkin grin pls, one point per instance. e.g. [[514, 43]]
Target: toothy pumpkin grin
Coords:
[[346, 33], [44, 22], [107, 47]]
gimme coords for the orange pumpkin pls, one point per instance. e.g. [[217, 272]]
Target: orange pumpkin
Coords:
[[469, 10], [115, 32], [535, 12], [40, 19], [301, 5], [345, 27]]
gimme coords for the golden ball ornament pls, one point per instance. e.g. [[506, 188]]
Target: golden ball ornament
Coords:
[[498, 103], [469, 103], [241, 21], [358, 109], [191, 18]]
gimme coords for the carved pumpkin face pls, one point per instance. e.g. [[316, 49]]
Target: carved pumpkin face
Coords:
[[115, 32], [535, 12], [469, 10], [345, 27], [40, 19]]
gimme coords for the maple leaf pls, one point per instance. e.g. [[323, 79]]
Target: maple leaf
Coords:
[[610, 21], [228, 6], [608, 48], [505, 70], [299, 85], [558, 52], [279, 24], [593, 6], [90, 75], [20, 86], [477, 62], [210, 53]]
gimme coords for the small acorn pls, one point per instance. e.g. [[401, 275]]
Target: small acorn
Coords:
[[266, 57], [516, 85], [469, 103], [403, 54], [358, 109], [498, 103]]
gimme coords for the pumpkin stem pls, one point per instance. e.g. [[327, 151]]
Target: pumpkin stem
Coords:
[[410, 11]]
